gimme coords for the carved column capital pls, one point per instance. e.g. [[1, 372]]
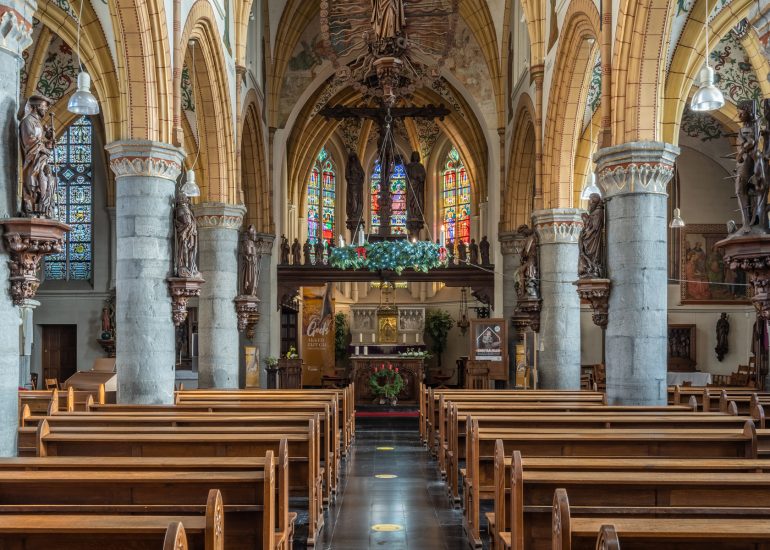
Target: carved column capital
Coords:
[[265, 243], [558, 225], [635, 167], [217, 215], [144, 158], [16, 25], [511, 242]]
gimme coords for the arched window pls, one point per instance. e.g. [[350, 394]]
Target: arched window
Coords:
[[74, 197], [456, 195], [321, 198], [398, 199]]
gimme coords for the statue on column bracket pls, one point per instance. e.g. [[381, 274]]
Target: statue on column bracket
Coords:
[[591, 241], [354, 206], [284, 250], [484, 250], [249, 262], [750, 187], [37, 147], [186, 241], [296, 253], [528, 275]]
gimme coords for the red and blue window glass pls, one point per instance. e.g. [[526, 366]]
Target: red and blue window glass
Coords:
[[397, 197], [321, 199], [74, 196], [456, 197]]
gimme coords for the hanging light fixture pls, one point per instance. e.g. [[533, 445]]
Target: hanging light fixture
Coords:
[[463, 322], [676, 221], [82, 102], [190, 187], [591, 188], [708, 97]]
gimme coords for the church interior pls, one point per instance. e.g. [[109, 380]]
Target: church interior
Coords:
[[403, 274]]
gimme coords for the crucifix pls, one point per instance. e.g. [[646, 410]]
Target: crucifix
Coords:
[[384, 118]]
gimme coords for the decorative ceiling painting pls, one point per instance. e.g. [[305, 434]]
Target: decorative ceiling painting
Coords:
[[60, 70], [735, 75], [702, 126]]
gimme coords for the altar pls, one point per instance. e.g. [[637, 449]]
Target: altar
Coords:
[[412, 371]]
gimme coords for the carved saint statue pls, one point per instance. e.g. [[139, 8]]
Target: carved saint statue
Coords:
[[761, 167], [474, 252], [387, 18], [415, 191], [723, 329], [37, 145], [450, 252], [484, 250], [186, 230], [354, 175], [318, 248], [744, 160], [284, 250], [250, 257], [462, 252], [528, 275], [296, 252], [307, 248], [591, 241]]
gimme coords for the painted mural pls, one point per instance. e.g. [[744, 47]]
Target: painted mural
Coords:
[[466, 61], [303, 66], [701, 126], [60, 71], [736, 77]]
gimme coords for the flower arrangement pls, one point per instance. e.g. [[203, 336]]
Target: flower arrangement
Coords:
[[386, 383], [389, 255], [292, 353], [412, 353], [271, 362]]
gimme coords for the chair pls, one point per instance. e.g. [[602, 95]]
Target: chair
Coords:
[[51, 384], [476, 375], [33, 377]]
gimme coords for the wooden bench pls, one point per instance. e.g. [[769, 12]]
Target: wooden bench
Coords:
[[478, 481], [304, 475], [47, 528], [681, 531]]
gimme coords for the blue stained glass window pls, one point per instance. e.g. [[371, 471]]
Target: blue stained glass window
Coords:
[[457, 199], [397, 199], [74, 194], [321, 199]]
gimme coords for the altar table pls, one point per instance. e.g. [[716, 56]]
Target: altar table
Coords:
[[411, 369]]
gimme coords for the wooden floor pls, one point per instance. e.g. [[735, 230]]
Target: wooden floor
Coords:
[[415, 501]]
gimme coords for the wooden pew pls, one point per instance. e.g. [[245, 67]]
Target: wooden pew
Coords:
[[39, 402], [630, 493], [325, 409], [304, 475], [478, 482], [679, 531], [48, 528], [455, 446]]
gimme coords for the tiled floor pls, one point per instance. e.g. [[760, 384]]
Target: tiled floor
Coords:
[[415, 501]]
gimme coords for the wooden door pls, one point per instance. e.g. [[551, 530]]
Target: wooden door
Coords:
[[59, 351]]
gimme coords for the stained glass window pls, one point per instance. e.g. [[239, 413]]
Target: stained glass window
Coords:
[[456, 195], [74, 197], [398, 198], [321, 199]]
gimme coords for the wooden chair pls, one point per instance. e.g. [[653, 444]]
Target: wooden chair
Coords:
[[476, 376], [51, 384]]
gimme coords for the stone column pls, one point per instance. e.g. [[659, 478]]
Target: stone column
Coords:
[[510, 246], [633, 177], [113, 245], [558, 230], [145, 184], [15, 36], [26, 339], [218, 357], [267, 312]]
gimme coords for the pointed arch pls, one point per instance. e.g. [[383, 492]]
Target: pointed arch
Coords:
[[257, 191], [518, 194]]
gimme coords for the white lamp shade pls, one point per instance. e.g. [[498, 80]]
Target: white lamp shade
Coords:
[[590, 189], [83, 101], [708, 97], [190, 188], [676, 222]]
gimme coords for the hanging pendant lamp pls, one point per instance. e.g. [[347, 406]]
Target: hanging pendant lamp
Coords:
[[82, 101], [708, 97]]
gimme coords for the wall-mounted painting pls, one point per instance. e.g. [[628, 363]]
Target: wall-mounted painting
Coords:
[[706, 279]]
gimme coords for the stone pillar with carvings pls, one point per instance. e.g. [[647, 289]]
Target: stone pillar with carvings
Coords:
[[633, 177], [218, 226], [145, 184], [510, 246], [267, 313], [558, 230], [15, 37]]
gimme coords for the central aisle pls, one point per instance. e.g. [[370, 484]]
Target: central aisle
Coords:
[[415, 502]]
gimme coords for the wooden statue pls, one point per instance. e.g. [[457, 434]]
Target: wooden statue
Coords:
[[296, 253], [528, 275], [462, 252], [318, 248], [473, 248], [37, 146], [284, 250], [484, 250], [747, 148], [354, 206], [450, 252], [306, 250], [415, 191], [249, 262], [387, 18], [186, 239], [723, 329], [591, 241]]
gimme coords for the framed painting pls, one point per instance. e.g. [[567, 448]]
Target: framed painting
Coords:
[[704, 276]]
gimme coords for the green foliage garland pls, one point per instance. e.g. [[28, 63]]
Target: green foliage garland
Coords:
[[386, 383], [388, 255]]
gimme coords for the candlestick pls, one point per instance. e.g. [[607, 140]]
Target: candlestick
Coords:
[[342, 241], [360, 336], [373, 338], [403, 338], [361, 236], [443, 236]]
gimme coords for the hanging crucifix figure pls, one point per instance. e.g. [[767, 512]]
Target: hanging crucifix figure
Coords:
[[384, 117]]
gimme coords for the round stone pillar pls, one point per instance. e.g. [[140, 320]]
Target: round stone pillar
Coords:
[[267, 313], [145, 185], [558, 230], [510, 246], [218, 357], [15, 36], [633, 177]]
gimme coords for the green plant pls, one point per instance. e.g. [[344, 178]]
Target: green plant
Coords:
[[340, 336], [271, 362], [386, 382], [292, 353], [390, 255], [438, 323]]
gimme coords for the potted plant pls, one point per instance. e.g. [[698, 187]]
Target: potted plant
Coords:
[[386, 383], [438, 323], [290, 369]]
